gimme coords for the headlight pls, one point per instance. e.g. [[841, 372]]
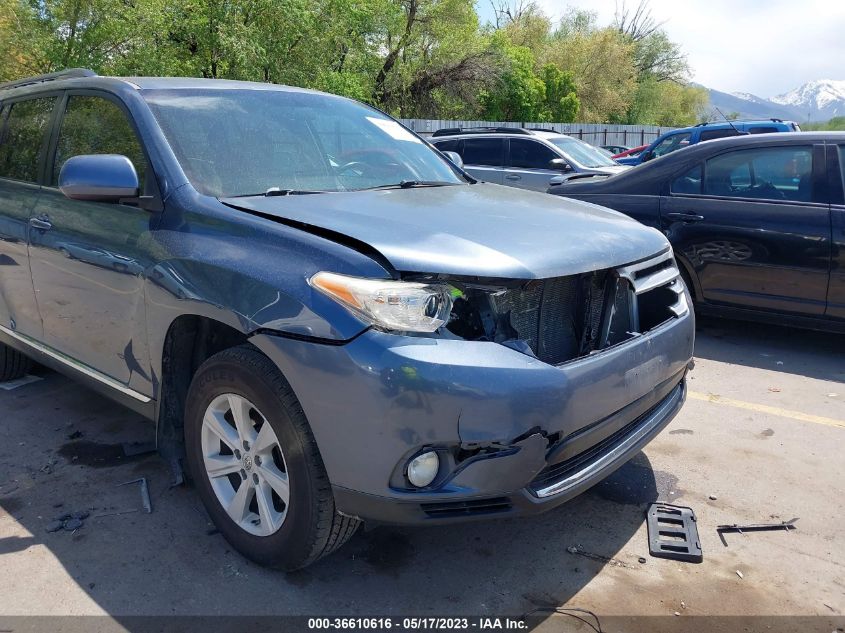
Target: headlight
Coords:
[[394, 305]]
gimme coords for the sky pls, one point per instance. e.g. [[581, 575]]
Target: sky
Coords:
[[765, 47]]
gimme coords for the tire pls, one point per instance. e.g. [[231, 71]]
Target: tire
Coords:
[[243, 379], [13, 364]]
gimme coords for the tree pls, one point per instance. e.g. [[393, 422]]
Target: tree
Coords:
[[519, 94], [600, 61], [22, 41], [423, 58], [667, 103], [561, 102]]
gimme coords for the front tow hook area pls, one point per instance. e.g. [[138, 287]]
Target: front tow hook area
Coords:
[[503, 471]]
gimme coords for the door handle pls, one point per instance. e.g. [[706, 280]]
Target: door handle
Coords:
[[42, 224], [685, 217], [513, 177]]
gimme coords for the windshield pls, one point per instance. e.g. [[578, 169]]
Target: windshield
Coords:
[[580, 152], [246, 142]]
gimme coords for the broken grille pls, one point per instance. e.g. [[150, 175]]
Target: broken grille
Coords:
[[557, 318], [564, 318]]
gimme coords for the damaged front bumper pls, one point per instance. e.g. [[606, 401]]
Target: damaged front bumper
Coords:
[[522, 436]]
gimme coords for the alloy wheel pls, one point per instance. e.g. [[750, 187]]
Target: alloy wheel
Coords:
[[245, 464]]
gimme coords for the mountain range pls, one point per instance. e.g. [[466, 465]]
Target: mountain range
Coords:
[[818, 100]]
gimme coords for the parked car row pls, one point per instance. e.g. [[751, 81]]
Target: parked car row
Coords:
[[684, 137], [329, 322], [755, 219]]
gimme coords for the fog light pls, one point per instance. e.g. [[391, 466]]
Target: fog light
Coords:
[[423, 469]]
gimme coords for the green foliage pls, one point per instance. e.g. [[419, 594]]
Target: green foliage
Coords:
[[601, 62], [561, 102], [415, 58], [837, 123], [666, 103], [520, 94]]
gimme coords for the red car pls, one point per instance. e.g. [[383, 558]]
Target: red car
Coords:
[[631, 152]]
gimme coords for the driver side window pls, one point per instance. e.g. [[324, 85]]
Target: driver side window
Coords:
[[93, 125], [772, 173]]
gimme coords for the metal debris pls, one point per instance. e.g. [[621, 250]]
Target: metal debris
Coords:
[[111, 514], [145, 492], [754, 527], [739, 573]]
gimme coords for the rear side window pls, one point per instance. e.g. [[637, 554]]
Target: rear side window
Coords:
[[484, 151], [689, 183], [23, 137], [709, 135], [762, 130], [530, 154], [448, 146], [772, 173], [671, 143], [93, 125]]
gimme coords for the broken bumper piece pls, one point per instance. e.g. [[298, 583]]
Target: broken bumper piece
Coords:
[[518, 436], [549, 485]]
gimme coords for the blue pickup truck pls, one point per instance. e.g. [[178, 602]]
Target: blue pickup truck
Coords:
[[683, 137]]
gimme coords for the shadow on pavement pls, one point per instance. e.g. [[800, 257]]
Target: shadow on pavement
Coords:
[[776, 348], [172, 561]]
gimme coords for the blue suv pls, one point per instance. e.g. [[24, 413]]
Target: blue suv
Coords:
[[327, 320], [683, 137]]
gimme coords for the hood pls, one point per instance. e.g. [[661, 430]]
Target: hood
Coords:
[[480, 230]]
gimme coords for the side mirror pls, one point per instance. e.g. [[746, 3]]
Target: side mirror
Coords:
[[559, 164], [455, 158], [99, 177]]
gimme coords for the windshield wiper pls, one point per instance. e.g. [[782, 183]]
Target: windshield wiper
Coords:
[[410, 184], [276, 191]]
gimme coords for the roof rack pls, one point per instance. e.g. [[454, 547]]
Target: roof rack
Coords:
[[70, 73], [543, 129], [705, 123], [452, 131]]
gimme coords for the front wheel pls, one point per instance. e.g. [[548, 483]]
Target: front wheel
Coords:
[[256, 464], [13, 364]]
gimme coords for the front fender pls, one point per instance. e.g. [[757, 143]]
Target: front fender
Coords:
[[247, 272]]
